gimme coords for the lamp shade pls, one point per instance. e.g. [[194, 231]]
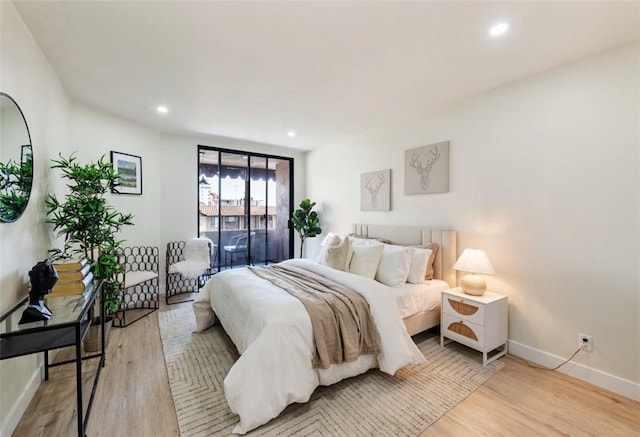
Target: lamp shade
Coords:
[[474, 261]]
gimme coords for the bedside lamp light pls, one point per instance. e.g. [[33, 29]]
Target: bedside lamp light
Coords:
[[474, 261]]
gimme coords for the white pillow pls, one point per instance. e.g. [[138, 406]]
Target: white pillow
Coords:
[[355, 240], [330, 240], [394, 265], [365, 259], [419, 264], [338, 256]]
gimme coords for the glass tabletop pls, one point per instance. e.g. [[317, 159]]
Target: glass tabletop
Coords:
[[65, 310]]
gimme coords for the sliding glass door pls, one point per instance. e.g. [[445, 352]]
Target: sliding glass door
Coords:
[[244, 206]]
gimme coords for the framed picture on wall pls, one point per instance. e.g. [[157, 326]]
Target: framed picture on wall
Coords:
[[129, 168], [26, 154], [426, 169], [375, 191]]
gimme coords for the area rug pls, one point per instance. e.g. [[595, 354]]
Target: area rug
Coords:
[[372, 404]]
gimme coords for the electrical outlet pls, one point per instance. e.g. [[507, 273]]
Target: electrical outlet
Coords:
[[585, 342]]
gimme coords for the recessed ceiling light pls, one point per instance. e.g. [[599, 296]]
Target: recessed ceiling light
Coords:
[[499, 29], [162, 109], [291, 133]]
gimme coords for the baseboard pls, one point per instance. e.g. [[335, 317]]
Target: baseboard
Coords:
[[21, 404], [596, 377]]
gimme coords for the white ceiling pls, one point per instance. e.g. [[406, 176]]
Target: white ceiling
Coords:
[[328, 70]]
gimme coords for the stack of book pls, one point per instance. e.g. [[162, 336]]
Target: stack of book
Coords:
[[74, 277]]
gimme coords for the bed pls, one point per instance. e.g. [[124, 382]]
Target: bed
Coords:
[[272, 330]]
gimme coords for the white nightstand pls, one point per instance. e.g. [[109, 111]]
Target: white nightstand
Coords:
[[479, 322]]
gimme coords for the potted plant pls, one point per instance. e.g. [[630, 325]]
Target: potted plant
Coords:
[[88, 223], [306, 222]]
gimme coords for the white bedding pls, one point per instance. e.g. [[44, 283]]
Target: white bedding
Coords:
[[413, 298], [272, 332]]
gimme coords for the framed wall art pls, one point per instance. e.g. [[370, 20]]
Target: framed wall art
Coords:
[[129, 167], [375, 191], [426, 169], [26, 154]]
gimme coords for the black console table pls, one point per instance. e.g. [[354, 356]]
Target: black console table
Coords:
[[67, 327]]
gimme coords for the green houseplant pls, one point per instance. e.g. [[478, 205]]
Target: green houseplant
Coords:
[[88, 223], [15, 187], [306, 222]]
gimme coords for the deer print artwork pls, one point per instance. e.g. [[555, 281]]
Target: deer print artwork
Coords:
[[375, 191], [424, 169], [427, 169]]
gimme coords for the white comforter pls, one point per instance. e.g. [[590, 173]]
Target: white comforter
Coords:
[[272, 332]]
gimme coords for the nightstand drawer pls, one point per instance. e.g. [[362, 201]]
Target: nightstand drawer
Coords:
[[464, 332], [464, 309]]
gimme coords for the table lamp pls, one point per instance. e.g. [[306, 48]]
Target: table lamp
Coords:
[[474, 261]]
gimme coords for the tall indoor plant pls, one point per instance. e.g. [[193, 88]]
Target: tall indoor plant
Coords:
[[88, 223], [306, 222]]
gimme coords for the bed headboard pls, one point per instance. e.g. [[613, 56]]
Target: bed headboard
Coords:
[[417, 235]]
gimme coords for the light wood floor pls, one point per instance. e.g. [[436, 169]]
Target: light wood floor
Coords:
[[133, 399]]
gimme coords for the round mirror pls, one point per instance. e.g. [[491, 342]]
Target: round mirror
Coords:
[[16, 160]]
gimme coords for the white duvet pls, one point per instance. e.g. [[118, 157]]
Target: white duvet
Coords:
[[272, 332], [413, 298]]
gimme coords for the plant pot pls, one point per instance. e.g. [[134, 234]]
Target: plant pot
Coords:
[[92, 339]]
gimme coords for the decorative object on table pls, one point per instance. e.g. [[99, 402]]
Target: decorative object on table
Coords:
[[375, 191], [74, 277], [69, 268], [88, 223], [306, 222], [16, 166], [129, 169], [474, 261], [43, 276], [426, 169]]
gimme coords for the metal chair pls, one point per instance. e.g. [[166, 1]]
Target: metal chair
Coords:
[[140, 289], [237, 245], [177, 284]]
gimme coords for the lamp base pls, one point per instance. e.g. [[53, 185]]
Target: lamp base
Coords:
[[474, 285]]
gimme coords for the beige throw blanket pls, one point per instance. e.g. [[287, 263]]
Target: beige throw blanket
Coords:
[[343, 328]]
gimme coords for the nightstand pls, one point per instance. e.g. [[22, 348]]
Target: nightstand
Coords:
[[479, 322]]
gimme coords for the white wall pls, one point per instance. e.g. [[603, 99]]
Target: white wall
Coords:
[[27, 77], [544, 175]]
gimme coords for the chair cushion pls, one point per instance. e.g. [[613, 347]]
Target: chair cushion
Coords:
[[138, 277]]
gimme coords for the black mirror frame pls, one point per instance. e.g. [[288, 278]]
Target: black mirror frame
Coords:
[[25, 148]]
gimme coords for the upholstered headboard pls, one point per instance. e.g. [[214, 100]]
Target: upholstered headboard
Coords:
[[418, 235]]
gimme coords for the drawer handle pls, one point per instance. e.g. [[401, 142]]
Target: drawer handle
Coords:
[[462, 329], [463, 308]]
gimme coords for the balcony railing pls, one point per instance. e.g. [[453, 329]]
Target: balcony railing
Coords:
[[265, 246]]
